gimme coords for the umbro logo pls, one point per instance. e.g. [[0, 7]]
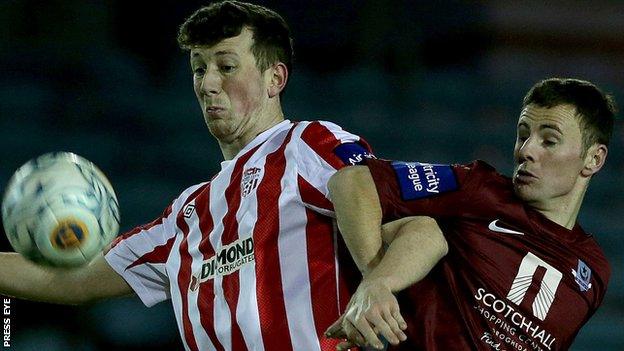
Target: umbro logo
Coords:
[[188, 210], [496, 228]]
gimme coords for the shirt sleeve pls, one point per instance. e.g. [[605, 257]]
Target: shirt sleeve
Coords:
[[140, 255], [322, 149], [413, 188]]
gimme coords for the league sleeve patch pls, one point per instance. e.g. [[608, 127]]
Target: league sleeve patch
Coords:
[[422, 180], [352, 153]]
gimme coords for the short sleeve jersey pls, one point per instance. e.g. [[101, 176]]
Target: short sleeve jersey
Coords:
[[512, 279], [250, 259]]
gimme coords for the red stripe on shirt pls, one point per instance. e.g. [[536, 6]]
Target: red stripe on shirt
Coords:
[[205, 295], [322, 269], [158, 255], [323, 142], [184, 274], [142, 228], [312, 196], [269, 290], [349, 275]]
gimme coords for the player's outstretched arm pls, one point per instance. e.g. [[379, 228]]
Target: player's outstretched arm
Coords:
[[24, 279]]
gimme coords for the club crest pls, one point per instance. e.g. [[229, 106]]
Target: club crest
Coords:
[[582, 276], [250, 180]]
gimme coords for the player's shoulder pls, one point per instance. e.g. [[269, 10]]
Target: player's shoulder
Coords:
[[318, 130], [317, 124], [471, 174], [591, 253], [479, 166], [324, 136], [481, 178], [488, 175]]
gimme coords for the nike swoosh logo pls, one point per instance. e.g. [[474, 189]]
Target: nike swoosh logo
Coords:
[[495, 228]]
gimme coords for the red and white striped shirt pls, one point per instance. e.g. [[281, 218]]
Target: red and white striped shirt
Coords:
[[249, 259]]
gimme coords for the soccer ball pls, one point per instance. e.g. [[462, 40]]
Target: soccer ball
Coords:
[[60, 210]]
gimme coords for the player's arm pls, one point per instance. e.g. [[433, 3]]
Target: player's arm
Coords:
[[416, 245], [359, 217], [24, 279], [358, 214], [364, 196]]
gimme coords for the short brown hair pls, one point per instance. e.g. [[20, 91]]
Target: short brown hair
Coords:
[[595, 109], [225, 19]]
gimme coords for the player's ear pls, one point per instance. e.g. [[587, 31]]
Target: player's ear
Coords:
[[594, 160], [278, 78]]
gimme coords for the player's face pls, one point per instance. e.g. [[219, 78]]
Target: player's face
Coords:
[[231, 90], [548, 154]]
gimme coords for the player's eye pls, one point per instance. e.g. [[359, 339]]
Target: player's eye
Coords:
[[227, 68], [550, 142], [199, 71]]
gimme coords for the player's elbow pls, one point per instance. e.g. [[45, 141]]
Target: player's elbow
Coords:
[[430, 233], [441, 246], [345, 180], [437, 239]]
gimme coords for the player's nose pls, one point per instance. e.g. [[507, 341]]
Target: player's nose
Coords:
[[211, 83], [526, 150]]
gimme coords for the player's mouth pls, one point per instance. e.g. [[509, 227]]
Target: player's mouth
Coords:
[[215, 111], [524, 177]]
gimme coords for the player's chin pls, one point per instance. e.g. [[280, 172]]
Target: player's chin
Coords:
[[221, 129], [525, 192]]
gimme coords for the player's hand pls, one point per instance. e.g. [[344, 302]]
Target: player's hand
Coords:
[[373, 310], [342, 329]]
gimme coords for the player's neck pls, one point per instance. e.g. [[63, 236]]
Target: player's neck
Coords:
[[267, 119], [563, 210]]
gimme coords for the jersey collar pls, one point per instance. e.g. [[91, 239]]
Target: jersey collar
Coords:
[[259, 139]]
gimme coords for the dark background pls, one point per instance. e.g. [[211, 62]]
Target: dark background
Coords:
[[430, 81]]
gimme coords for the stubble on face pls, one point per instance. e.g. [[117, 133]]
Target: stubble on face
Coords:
[[548, 155]]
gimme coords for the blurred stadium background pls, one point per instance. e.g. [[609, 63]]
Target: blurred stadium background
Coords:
[[438, 81]]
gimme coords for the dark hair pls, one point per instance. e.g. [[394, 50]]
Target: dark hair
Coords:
[[225, 19], [595, 109]]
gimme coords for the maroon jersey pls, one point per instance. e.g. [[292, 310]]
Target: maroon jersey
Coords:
[[512, 279]]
